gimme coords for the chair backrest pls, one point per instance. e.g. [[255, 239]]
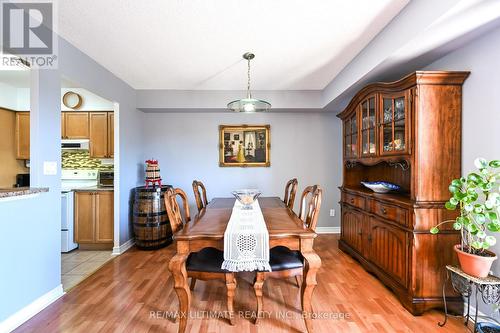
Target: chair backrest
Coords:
[[290, 192], [174, 211], [201, 199], [309, 209]]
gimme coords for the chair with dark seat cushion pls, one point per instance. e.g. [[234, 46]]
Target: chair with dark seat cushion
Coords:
[[201, 198], [282, 258], [206, 260], [286, 263], [290, 192], [206, 263]]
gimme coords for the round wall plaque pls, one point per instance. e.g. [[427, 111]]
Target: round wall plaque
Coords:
[[72, 100]]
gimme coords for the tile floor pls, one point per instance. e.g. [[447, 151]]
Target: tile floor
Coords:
[[78, 265]]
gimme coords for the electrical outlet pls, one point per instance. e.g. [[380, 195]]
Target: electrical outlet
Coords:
[[332, 212]]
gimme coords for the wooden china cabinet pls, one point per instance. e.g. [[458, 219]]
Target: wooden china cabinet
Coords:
[[408, 133]]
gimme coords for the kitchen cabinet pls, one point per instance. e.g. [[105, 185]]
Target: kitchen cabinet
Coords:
[[111, 134], [84, 217], [99, 134], [94, 222], [75, 125], [22, 135], [104, 232]]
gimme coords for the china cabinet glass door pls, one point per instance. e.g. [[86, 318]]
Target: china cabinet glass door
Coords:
[[368, 121], [351, 137], [393, 124]]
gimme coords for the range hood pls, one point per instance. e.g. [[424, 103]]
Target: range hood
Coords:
[[80, 144]]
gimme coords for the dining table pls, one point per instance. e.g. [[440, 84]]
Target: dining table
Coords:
[[207, 230]]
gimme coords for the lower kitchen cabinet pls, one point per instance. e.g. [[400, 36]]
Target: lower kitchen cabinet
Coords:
[[94, 217]]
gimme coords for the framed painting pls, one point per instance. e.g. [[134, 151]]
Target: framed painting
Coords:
[[244, 145]]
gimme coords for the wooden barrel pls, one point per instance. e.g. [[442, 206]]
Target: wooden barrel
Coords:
[[151, 225]]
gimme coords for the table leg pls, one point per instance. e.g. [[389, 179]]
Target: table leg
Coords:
[[312, 263], [231, 287], [177, 266], [257, 286]]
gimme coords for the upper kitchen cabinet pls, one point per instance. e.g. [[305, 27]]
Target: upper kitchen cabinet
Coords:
[[99, 134], [75, 125], [23, 135], [111, 134]]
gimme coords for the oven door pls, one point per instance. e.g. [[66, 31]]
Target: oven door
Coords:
[[67, 222]]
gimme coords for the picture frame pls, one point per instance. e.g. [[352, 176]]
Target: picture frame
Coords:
[[244, 145]]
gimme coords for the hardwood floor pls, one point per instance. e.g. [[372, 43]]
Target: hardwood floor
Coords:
[[134, 292]]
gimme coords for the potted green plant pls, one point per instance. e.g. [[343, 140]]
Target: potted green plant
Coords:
[[477, 196]]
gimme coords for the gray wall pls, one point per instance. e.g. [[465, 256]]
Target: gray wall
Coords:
[[30, 248], [481, 104], [306, 146]]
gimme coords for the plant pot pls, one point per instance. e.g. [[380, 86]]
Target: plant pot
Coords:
[[488, 328], [474, 265]]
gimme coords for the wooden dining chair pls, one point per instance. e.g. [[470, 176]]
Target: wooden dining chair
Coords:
[[284, 262], [201, 198], [290, 192], [205, 264]]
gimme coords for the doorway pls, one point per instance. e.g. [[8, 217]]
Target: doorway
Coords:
[[89, 226]]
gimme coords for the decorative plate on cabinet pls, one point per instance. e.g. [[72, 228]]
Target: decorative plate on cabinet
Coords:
[[381, 187]]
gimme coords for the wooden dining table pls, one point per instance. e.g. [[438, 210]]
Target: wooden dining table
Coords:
[[207, 230]]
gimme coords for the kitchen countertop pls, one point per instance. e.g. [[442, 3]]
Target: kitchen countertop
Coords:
[[19, 191], [93, 189]]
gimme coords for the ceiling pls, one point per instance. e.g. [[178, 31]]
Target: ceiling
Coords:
[[197, 45]]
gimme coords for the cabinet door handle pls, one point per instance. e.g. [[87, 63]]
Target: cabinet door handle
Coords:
[[384, 211], [360, 233], [352, 200]]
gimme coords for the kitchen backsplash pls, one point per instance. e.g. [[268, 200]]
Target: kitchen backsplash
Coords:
[[82, 160]]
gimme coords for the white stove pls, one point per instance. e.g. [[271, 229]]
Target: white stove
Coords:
[[78, 179], [72, 180]]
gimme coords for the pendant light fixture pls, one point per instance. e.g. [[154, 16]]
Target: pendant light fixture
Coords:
[[248, 104]]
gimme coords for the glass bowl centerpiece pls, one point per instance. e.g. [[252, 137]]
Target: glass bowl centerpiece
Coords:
[[246, 197]]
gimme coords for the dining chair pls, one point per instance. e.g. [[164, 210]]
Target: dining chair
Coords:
[[290, 191], [284, 262], [205, 264], [201, 199]]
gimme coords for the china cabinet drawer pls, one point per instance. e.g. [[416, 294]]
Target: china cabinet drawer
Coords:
[[354, 200], [389, 212]]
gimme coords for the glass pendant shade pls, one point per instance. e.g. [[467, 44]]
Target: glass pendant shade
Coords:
[[249, 104]]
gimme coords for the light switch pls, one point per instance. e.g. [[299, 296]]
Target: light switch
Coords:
[[332, 212], [49, 168]]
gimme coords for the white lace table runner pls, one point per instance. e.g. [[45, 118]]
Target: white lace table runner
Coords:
[[246, 240]]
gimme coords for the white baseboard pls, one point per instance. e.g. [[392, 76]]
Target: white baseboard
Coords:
[[328, 230], [117, 250], [21, 316]]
